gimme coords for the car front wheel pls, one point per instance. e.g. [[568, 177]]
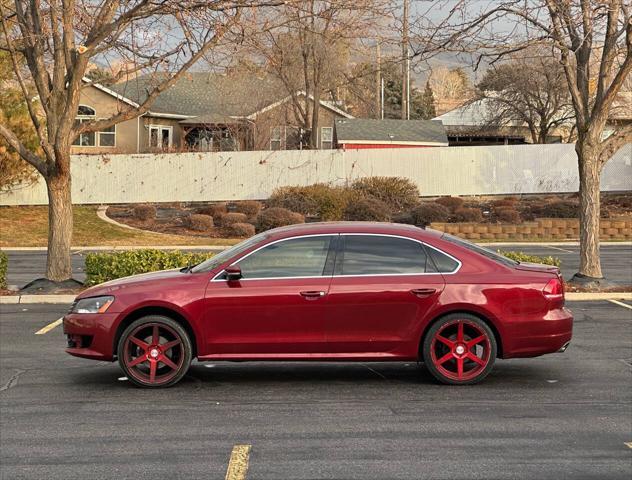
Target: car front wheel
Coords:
[[154, 351], [459, 349]]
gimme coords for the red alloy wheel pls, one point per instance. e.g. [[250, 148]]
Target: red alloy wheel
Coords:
[[460, 350], [153, 353]]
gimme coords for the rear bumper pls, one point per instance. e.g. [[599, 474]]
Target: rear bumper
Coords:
[[535, 337], [91, 335]]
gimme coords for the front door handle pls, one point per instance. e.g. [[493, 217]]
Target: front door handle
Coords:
[[423, 292], [313, 294]]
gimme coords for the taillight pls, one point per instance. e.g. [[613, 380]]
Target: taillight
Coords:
[[554, 289]]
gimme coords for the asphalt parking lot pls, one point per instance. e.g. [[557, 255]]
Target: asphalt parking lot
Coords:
[[25, 266], [558, 416]]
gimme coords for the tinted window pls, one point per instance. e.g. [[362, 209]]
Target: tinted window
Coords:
[[480, 250], [374, 255], [299, 257], [442, 262]]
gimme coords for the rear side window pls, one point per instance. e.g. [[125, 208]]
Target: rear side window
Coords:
[[381, 255], [442, 262]]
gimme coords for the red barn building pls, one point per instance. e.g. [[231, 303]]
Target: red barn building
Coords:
[[357, 133]]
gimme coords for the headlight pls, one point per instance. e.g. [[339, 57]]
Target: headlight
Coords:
[[92, 305]]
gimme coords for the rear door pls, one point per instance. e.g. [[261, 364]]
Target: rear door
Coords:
[[382, 287]]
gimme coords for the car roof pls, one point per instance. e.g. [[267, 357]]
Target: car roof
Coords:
[[382, 228]]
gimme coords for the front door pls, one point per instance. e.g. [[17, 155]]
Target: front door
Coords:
[[381, 290], [279, 305]]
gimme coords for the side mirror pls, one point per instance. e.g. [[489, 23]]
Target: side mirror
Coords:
[[233, 273]]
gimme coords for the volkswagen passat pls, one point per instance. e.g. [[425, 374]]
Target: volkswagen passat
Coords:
[[330, 291]]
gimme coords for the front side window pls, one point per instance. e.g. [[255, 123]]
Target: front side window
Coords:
[[297, 257], [382, 255]]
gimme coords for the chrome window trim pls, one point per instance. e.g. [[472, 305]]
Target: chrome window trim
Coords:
[[215, 279], [458, 267]]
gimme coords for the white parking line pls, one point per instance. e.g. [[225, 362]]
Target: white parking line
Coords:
[[621, 304], [560, 249], [49, 327], [238, 464]]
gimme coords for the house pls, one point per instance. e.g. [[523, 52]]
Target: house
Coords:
[[468, 125], [201, 112], [361, 133]]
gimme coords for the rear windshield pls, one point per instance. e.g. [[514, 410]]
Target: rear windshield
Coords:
[[486, 252]]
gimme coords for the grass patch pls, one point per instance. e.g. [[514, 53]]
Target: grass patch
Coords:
[[28, 227]]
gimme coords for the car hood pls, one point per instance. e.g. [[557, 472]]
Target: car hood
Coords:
[[113, 285]]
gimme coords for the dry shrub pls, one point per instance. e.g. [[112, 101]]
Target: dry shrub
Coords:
[[508, 215], [199, 222], [398, 193], [321, 200], [144, 212], [368, 209], [451, 203], [507, 202], [276, 217], [250, 208], [233, 217], [466, 214], [428, 212], [557, 209], [240, 230], [215, 210]]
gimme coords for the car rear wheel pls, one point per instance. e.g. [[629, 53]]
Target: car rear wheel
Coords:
[[154, 351], [459, 349]]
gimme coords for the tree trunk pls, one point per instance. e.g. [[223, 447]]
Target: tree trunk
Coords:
[[313, 139], [589, 197], [58, 264]]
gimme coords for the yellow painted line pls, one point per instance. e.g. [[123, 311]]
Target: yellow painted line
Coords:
[[49, 327], [621, 304], [238, 464]]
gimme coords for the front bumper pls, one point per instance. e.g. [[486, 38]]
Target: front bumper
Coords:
[[91, 335]]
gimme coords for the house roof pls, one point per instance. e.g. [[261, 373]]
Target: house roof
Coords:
[[473, 114], [209, 95], [413, 132]]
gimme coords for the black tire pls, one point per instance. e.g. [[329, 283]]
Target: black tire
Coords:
[[154, 352], [443, 352]]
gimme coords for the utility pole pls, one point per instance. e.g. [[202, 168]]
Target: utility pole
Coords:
[[378, 80], [405, 66]]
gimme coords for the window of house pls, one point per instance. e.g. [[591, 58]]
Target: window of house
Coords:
[[327, 137], [160, 136], [297, 257], [107, 137], [276, 138], [382, 255], [85, 114], [104, 138]]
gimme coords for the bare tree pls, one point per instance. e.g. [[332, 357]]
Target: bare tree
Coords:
[[530, 90], [593, 43], [310, 47], [57, 39]]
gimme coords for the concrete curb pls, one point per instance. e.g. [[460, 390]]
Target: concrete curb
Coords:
[[101, 209], [68, 299], [25, 299]]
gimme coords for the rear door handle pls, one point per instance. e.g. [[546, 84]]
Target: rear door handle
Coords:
[[423, 292], [313, 294]]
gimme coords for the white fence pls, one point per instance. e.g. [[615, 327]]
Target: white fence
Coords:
[[254, 175]]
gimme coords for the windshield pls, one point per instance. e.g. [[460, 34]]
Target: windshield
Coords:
[[480, 250], [216, 260]]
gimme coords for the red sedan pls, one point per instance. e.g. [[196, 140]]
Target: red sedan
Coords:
[[330, 291]]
